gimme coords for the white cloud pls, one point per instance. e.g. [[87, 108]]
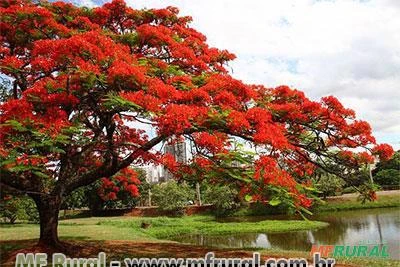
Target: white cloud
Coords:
[[347, 48]]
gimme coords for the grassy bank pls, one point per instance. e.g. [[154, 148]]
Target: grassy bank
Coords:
[[351, 203], [129, 228], [165, 227]]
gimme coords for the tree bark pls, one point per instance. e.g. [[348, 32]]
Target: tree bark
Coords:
[[198, 194], [49, 208]]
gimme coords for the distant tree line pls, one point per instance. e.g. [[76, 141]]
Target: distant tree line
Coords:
[[385, 175]]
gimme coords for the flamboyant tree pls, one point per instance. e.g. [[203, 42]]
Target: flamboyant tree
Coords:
[[85, 83]]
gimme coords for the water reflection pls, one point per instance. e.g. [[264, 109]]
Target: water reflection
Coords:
[[374, 226]]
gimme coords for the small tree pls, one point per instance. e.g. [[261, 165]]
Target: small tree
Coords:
[[172, 197], [10, 209], [387, 173], [328, 184], [18, 208], [77, 199], [30, 210], [225, 199]]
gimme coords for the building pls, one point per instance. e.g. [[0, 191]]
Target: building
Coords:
[[153, 173], [157, 173], [178, 150]]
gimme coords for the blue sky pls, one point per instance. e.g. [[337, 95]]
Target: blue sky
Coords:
[[346, 48]]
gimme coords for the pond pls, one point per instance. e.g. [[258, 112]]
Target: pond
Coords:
[[369, 226]]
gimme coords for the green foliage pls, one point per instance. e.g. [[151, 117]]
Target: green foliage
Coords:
[[388, 172], [95, 203], [393, 163], [144, 186], [360, 177], [261, 209], [130, 39], [77, 199], [10, 209], [172, 197], [30, 209], [223, 198], [114, 101], [368, 192], [18, 208], [388, 177], [329, 184]]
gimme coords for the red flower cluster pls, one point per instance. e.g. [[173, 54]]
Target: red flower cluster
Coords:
[[383, 151], [126, 181], [214, 143]]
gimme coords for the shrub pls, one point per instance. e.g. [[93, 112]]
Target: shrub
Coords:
[[329, 185], [10, 209], [223, 198], [30, 210], [18, 208], [387, 173], [261, 209], [77, 199], [172, 197], [388, 177]]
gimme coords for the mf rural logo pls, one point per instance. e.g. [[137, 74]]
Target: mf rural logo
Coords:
[[335, 251]]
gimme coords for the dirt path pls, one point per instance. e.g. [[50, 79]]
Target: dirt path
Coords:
[[117, 250]]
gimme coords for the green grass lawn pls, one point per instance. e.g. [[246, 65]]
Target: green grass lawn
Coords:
[[128, 228]]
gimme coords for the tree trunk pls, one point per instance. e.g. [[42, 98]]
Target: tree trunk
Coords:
[[149, 197], [370, 174], [198, 194], [48, 207]]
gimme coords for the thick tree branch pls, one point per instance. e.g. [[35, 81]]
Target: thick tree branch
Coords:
[[110, 168], [16, 182]]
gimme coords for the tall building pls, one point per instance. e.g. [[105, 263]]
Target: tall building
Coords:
[[153, 173], [178, 150]]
